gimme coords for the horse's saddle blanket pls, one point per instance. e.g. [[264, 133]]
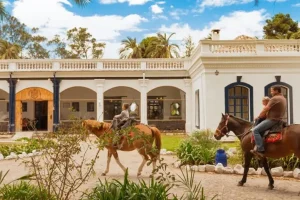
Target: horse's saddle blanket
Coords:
[[274, 134]]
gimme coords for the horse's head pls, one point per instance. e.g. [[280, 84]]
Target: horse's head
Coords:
[[222, 129], [95, 127]]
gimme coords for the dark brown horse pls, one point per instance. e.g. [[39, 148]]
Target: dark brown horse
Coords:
[[290, 143]]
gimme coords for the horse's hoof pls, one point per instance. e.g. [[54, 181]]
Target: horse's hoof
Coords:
[[240, 183], [270, 187], [103, 174]]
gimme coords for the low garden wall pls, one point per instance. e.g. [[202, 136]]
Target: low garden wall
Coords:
[[239, 169]]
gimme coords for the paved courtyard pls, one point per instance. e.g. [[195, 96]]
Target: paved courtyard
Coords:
[[222, 185]]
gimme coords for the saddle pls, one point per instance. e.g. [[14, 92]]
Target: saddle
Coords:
[[127, 123], [274, 134], [122, 125]]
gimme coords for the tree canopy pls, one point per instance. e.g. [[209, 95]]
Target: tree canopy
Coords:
[[2, 11], [189, 46], [158, 46], [79, 44], [281, 26], [30, 43]]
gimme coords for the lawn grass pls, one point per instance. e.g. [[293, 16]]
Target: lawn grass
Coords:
[[171, 142], [237, 159], [227, 145]]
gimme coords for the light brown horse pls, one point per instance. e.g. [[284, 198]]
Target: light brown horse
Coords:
[[241, 128], [141, 144]]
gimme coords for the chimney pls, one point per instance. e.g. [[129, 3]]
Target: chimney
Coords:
[[215, 34]]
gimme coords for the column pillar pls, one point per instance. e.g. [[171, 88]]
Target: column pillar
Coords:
[[188, 105], [143, 106], [56, 101], [12, 104], [100, 101]]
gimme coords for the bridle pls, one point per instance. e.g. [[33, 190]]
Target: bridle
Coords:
[[225, 126], [219, 131]]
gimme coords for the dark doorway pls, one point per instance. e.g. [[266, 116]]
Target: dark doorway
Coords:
[[112, 107], [41, 115]]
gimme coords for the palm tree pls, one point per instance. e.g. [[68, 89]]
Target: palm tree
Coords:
[[161, 47], [82, 2], [130, 49], [2, 11], [9, 51]]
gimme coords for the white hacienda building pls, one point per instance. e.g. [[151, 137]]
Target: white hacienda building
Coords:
[[228, 76]]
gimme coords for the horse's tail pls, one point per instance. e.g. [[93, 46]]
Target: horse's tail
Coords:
[[157, 137]]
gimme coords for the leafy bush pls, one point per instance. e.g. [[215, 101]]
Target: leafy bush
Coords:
[[116, 190], [288, 163], [200, 148], [65, 165], [28, 147], [24, 191]]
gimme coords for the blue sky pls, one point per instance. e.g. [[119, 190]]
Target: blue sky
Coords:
[[113, 20]]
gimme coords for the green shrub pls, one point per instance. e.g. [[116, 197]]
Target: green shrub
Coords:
[[156, 189], [116, 190], [28, 147], [23, 191], [200, 148], [288, 163]]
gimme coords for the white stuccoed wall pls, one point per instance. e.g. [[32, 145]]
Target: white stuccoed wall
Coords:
[[215, 92]]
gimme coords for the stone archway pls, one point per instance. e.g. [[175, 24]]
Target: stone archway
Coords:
[[34, 94]]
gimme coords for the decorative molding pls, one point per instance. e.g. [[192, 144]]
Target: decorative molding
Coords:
[[187, 82], [143, 82], [34, 93], [252, 65], [100, 82], [278, 79]]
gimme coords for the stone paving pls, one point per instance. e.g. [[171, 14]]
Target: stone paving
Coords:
[[225, 186]]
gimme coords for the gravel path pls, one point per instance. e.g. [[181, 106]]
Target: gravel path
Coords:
[[222, 185]]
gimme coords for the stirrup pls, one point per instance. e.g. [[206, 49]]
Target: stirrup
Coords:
[[257, 153]]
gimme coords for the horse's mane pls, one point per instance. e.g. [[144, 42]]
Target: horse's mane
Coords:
[[240, 119], [97, 125]]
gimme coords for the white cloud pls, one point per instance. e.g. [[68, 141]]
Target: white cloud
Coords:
[[232, 25], [52, 18], [159, 17], [108, 1], [6, 3], [156, 9], [160, 2], [220, 3], [296, 5], [130, 2], [112, 50], [176, 13]]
